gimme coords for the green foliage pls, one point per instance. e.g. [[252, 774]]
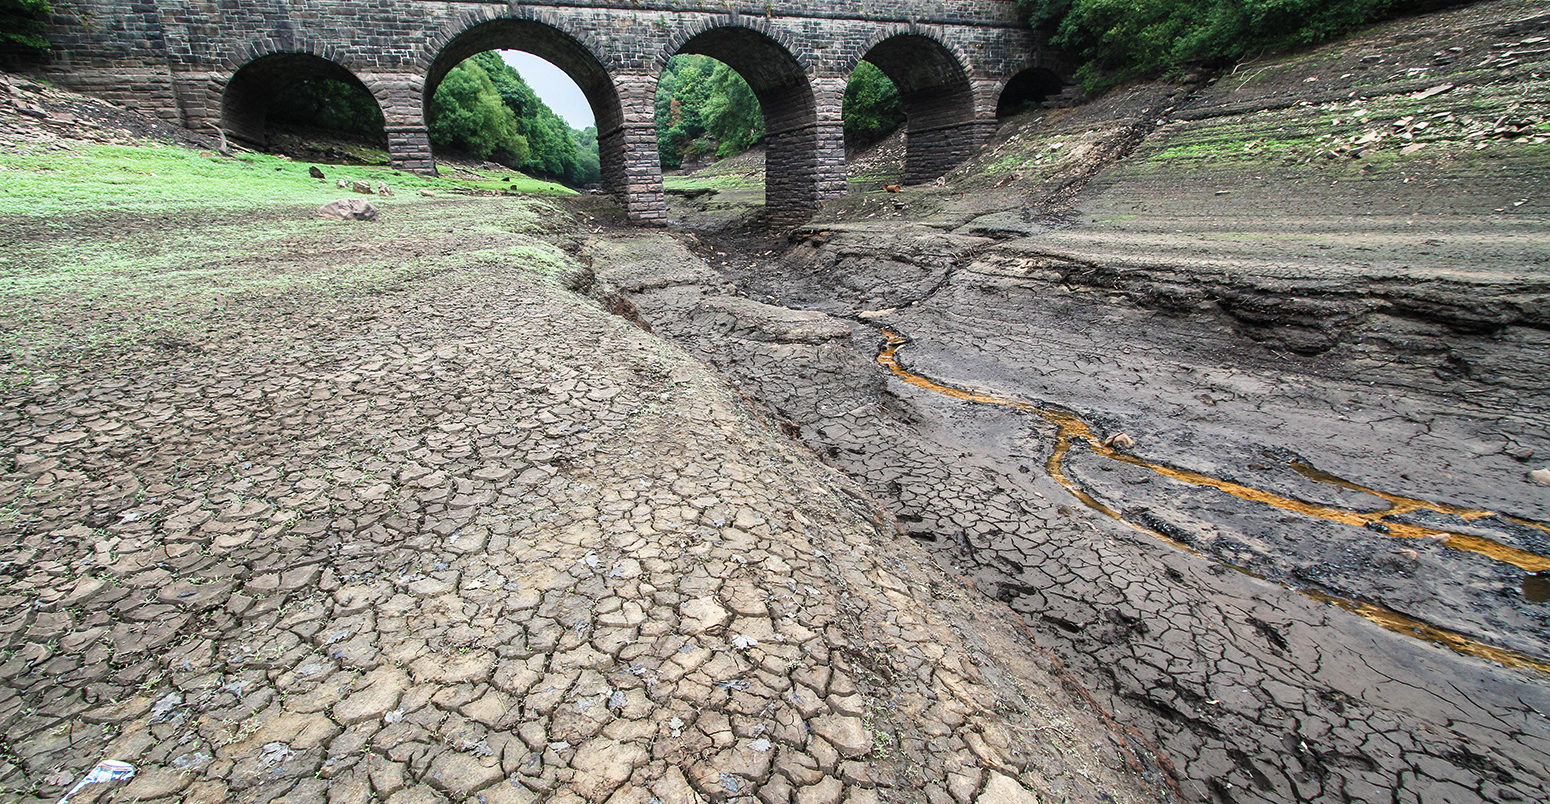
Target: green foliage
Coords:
[[485, 108], [872, 106], [467, 113], [331, 104], [732, 115], [704, 107], [21, 28], [1123, 39]]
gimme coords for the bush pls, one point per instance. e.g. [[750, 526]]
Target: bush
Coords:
[[1122, 39], [21, 29]]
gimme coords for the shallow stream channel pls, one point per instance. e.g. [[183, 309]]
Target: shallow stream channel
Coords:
[[1280, 577]]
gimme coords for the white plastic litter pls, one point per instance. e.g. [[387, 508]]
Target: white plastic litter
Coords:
[[108, 770]]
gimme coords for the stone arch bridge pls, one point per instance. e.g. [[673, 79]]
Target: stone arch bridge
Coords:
[[203, 62]]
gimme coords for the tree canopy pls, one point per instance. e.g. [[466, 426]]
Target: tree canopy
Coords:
[[1122, 39], [21, 29], [331, 104], [705, 108], [485, 108], [872, 106]]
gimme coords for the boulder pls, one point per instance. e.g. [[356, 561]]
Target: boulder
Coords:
[[349, 209], [361, 186], [315, 172]]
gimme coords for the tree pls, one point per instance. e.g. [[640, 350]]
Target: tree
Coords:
[[22, 23], [873, 108], [1124, 39], [467, 113], [732, 114]]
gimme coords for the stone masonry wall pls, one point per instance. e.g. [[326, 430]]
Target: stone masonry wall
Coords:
[[177, 59]]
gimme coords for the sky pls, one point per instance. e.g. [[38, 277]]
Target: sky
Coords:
[[553, 86]]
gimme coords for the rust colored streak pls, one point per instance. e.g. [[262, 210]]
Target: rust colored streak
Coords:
[[1071, 430]]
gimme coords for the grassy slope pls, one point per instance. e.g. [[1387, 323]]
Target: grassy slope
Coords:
[[153, 177], [133, 250]]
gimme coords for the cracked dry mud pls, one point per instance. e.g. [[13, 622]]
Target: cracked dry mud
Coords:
[[1241, 309], [1248, 689], [463, 536]]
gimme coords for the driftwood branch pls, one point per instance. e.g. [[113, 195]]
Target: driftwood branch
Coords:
[[225, 148]]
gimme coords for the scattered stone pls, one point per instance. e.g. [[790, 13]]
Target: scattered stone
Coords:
[[316, 172], [349, 209], [382, 189], [1540, 476], [361, 186], [1003, 789], [1119, 441]]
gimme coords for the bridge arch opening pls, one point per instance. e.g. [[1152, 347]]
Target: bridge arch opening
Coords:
[[938, 102], [480, 46], [1028, 90], [286, 100], [786, 101]]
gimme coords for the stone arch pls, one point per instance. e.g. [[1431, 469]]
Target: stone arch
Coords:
[[1035, 85], [263, 70], [778, 72], [941, 127], [549, 38]]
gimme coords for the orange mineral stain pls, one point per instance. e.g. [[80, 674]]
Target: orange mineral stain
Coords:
[[1071, 430]]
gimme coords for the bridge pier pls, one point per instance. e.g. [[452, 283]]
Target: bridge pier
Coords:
[[632, 167], [934, 150], [409, 148]]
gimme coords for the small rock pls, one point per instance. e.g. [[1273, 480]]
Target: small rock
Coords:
[[427, 194], [1540, 476], [1002, 789], [343, 184], [315, 172], [349, 209], [382, 189], [361, 186], [1119, 441]]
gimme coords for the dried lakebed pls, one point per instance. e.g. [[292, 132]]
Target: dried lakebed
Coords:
[[1071, 432], [1298, 677]]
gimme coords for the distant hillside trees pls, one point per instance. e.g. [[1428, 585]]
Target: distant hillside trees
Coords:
[[21, 30], [484, 107], [1119, 40], [704, 108], [872, 106]]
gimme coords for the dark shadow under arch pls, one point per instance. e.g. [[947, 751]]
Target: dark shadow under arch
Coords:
[[938, 102], [1029, 89], [253, 90], [786, 99], [560, 49]]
